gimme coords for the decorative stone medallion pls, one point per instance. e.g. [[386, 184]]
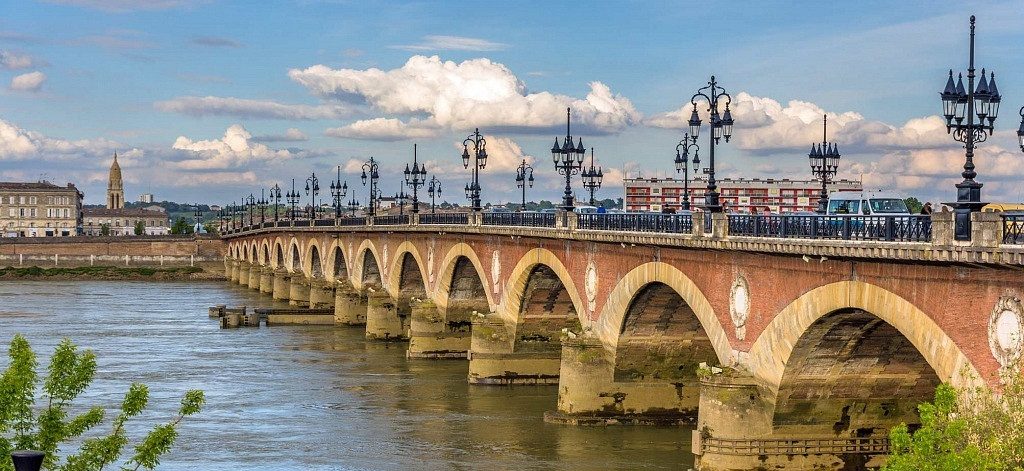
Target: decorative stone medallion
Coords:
[[351, 257], [1005, 327], [495, 272], [430, 261], [590, 285], [739, 305]]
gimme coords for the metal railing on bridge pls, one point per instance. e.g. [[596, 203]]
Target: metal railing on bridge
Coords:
[[528, 219], [391, 220], [1013, 228], [637, 222], [903, 228], [445, 218], [352, 221]]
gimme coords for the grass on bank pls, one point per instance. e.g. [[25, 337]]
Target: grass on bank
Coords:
[[96, 271]]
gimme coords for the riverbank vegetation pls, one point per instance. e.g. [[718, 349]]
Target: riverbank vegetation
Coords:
[[965, 429], [27, 424], [106, 273]]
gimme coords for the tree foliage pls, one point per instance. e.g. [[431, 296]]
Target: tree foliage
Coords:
[[140, 228], [967, 429], [180, 226], [914, 205], [24, 424]]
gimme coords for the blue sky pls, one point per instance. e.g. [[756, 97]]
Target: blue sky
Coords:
[[212, 100]]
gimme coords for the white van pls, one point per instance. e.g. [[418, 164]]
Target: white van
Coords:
[[584, 209], [879, 203]]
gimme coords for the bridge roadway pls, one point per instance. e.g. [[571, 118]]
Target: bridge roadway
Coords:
[[816, 340]]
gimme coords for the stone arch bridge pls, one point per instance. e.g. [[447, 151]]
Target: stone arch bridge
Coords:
[[813, 346]]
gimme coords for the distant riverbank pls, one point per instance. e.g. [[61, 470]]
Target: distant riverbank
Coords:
[[109, 273]]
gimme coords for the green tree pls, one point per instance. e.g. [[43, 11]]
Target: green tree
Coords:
[[180, 226], [913, 204], [140, 228], [69, 374], [105, 229]]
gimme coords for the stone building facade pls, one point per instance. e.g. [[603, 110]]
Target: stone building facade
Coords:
[[39, 209], [118, 220], [744, 195]]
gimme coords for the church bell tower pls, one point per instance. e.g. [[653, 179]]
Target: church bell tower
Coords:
[[115, 188]]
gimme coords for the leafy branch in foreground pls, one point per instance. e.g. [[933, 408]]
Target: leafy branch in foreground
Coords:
[[69, 374]]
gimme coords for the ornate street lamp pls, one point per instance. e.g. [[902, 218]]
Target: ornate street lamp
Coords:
[[371, 166], [275, 194], [721, 126], [524, 176], [479, 162], [824, 164], [338, 191], [415, 178], [1020, 130], [682, 165], [957, 104], [292, 197], [353, 204], [568, 160], [199, 217], [434, 190], [250, 207], [400, 199], [592, 178], [313, 186]]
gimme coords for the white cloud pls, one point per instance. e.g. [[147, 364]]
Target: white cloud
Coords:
[[235, 149], [764, 126], [435, 43], [30, 82], [460, 96], [384, 129], [12, 61], [290, 135], [503, 155], [21, 144], [245, 108]]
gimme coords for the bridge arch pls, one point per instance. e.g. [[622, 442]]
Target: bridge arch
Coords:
[[621, 299], [296, 258], [278, 261], [254, 252], [337, 262], [541, 298], [450, 265], [265, 256], [313, 267], [407, 272], [368, 270], [773, 350]]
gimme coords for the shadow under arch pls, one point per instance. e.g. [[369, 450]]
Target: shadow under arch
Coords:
[[771, 352], [265, 258], [541, 299], [406, 275], [278, 261], [367, 267], [449, 264], [296, 258], [337, 262], [621, 297], [313, 267]]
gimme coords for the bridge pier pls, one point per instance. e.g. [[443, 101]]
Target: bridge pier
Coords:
[[493, 361], [298, 292], [431, 337], [267, 280], [383, 320], [282, 284], [589, 395], [231, 267], [735, 430], [321, 293], [243, 273], [350, 305], [254, 276]]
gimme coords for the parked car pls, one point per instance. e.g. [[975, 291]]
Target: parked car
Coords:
[[867, 203]]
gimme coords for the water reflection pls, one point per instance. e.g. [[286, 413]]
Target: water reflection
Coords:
[[307, 397]]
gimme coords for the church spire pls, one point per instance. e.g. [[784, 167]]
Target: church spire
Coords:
[[115, 187]]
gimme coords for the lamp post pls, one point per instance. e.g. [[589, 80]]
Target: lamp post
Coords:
[[824, 164], [524, 176], [312, 185], [275, 194], [371, 166], [415, 178], [568, 160], [292, 197], [1020, 130], [592, 178], [400, 199], [199, 217], [721, 126], [250, 206], [434, 190], [956, 102], [338, 191], [353, 205], [682, 165], [479, 162], [262, 202]]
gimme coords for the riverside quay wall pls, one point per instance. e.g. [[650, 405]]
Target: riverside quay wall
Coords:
[[206, 251]]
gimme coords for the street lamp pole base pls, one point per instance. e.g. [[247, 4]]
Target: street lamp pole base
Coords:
[[968, 200]]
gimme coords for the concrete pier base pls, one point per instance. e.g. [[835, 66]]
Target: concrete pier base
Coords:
[[589, 395], [282, 284], [493, 361], [431, 337], [232, 270], [267, 280], [254, 277], [349, 305], [383, 319], [321, 293], [243, 273], [298, 292]]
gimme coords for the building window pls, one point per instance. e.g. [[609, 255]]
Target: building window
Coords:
[[33, 210], [12, 212], [32, 200], [65, 212]]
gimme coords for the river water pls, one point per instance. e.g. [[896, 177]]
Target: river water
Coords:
[[305, 397]]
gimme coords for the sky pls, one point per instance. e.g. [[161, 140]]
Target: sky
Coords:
[[210, 101]]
